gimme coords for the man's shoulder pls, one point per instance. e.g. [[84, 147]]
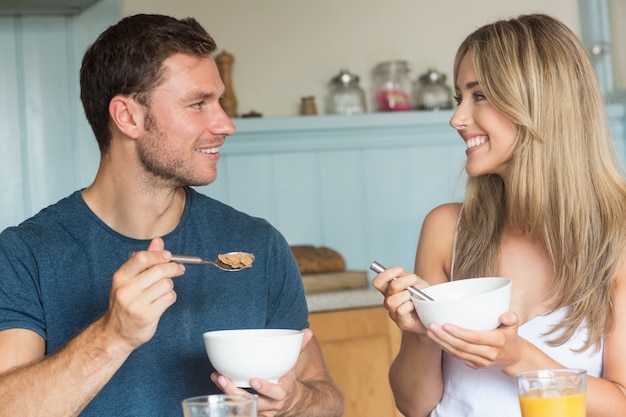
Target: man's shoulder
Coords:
[[63, 211]]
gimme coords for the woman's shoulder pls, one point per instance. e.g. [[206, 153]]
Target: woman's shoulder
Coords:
[[434, 252], [440, 223], [444, 215]]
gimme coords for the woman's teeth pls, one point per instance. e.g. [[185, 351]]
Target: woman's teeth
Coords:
[[475, 141]]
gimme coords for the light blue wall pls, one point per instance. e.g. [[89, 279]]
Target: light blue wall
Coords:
[[358, 184], [46, 146]]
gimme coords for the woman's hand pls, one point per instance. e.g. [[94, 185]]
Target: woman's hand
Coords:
[[392, 283], [501, 348]]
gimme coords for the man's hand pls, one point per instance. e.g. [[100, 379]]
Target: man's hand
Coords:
[[141, 290], [297, 393]]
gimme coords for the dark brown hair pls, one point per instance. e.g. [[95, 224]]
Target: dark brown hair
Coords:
[[127, 59]]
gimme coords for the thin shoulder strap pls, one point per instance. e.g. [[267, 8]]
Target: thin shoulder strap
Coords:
[[456, 233]]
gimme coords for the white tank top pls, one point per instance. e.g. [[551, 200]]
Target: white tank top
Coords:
[[469, 392]]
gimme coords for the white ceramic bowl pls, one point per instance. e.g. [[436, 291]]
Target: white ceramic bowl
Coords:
[[253, 353], [473, 303]]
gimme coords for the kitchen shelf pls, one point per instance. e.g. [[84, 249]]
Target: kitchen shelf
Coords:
[[332, 132]]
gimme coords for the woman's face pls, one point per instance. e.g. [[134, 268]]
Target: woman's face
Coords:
[[488, 135]]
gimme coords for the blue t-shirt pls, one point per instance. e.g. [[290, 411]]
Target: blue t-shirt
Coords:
[[55, 278]]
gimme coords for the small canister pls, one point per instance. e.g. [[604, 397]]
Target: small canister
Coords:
[[346, 96], [430, 91], [307, 106], [392, 86]]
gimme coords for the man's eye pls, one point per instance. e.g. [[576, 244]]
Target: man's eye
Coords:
[[197, 105]]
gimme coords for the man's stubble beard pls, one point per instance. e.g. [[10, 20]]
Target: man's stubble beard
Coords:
[[151, 152]]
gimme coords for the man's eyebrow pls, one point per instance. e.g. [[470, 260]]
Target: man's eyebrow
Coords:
[[199, 96]]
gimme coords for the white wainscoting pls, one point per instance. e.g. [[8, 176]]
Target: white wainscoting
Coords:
[[358, 184]]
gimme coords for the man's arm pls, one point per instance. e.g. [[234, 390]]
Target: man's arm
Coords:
[[61, 384], [319, 396]]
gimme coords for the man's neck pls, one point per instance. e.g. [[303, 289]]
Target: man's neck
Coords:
[[135, 212]]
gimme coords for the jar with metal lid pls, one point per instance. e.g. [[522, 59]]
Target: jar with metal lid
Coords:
[[392, 86], [430, 91], [346, 96]]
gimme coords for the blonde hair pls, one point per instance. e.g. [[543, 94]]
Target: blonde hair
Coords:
[[565, 188]]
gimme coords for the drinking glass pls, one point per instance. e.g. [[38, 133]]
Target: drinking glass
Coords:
[[552, 392], [220, 405]]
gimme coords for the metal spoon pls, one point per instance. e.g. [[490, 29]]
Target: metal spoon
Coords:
[[415, 292], [196, 260]]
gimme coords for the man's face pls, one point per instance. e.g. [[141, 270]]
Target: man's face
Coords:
[[185, 124]]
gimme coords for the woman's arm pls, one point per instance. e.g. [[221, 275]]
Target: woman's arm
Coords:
[[415, 375], [606, 396]]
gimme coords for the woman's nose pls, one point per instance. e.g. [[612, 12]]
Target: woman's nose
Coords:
[[460, 119]]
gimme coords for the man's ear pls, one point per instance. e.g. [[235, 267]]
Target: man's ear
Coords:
[[127, 115]]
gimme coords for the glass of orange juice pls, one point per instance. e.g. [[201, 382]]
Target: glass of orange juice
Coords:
[[552, 392]]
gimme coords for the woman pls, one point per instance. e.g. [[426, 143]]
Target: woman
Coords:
[[545, 206]]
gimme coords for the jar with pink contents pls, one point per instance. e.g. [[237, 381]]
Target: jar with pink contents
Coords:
[[392, 86]]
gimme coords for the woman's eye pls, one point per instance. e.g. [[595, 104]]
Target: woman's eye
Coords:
[[479, 97], [457, 100]]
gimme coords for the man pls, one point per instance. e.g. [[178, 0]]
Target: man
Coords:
[[84, 329]]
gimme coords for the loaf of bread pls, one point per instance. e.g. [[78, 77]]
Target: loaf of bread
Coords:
[[315, 260]]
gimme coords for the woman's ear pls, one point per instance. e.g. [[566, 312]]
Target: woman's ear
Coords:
[[127, 115]]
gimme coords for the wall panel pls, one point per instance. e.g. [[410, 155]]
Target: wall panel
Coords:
[[47, 108], [12, 188], [358, 184], [342, 200], [249, 180], [298, 195], [47, 149]]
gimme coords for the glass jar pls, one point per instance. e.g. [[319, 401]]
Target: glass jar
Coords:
[[392, 86], [430, 91], [346, 96]]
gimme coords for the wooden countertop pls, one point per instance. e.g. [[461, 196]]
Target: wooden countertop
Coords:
[[343, 300]]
